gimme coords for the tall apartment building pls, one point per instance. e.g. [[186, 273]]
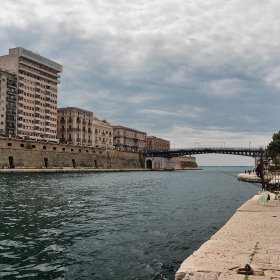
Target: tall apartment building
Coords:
[[8, 92], [157, 144], [37, 80], [129, 139], [80, 127]]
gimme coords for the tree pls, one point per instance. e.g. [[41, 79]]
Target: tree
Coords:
[[273, 149]]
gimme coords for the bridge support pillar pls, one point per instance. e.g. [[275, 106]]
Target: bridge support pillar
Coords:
[[159, 163]]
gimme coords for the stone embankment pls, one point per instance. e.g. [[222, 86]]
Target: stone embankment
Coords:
[[66, 170], [253, 178], [251, 236]]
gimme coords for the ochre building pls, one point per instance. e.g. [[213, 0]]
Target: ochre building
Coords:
[[128, 139], [80, 127]]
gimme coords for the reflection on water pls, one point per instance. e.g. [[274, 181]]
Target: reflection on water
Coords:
[[138, 225]]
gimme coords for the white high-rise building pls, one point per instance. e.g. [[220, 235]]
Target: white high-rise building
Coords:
[[36, 105]]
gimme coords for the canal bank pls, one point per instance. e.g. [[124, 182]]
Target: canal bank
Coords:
[[251, 236]]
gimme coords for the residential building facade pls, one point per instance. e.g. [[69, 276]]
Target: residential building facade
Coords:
[[103, 133], [8, 93], [80, 127], [157, 144], [129, 139], [37, 81]]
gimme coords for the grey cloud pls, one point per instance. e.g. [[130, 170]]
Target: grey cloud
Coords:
[[192, 67]]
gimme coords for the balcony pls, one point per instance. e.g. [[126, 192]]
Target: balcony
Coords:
[[36, 124], [38, 99], [20, 102], [20, 128], [47, 114], [78, 121], [38, 87], [21, 88], [12, 85], [89, 141], [84, 140], [20, 115], [37, 106], [21, 95], [20, 108], [48, 90], [47, 126], [47, 120], [37, 112], [84, 122], [70, 129], [63, 129], [10, 112], [62, 121], [48, 102], [79, 139], [21, 82], [89, 131], [11, 98], [37, 119], [38, 92], [37, 131], [47, 132], [20, 122], [48, 96]]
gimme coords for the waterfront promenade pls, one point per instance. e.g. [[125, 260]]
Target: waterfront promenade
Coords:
[[251, 236]]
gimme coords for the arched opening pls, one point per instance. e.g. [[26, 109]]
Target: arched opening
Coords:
[[95, 163], [46, 162], [74, 163], [11, 162], [149, 164]]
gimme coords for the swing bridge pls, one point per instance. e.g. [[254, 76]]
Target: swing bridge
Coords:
[[249, 152]]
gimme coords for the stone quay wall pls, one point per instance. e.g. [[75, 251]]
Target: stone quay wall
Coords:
[[32, 154], [185, 162]]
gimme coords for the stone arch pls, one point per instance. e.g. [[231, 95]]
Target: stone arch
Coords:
[[11, 162], [149, 164]]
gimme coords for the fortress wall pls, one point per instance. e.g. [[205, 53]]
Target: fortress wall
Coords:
[[185, 162], [37, 155]]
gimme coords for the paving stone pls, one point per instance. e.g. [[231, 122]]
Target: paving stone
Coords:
[[251, 236]]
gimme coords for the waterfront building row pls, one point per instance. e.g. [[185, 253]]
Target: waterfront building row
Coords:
[[28, 109]]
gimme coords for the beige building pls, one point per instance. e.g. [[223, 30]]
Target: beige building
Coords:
[[8, 92], [157, 144], [37, 80], [129, 139], [103, 133], [80, 127]]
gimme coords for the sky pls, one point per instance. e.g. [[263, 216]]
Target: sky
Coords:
[[194, 72]]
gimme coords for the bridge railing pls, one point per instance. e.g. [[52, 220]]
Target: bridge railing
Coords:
[[211, 148]]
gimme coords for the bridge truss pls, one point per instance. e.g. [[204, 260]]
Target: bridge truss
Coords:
[[249, 152]]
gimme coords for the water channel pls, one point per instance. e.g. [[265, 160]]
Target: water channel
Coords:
[[127, 225]]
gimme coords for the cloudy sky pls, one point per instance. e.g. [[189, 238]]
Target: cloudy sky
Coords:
[[194, 72]]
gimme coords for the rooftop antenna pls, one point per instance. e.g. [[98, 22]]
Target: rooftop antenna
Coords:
[[66, 93], [145, 122]]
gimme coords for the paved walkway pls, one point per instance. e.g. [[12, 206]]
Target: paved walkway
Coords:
[[251, 236]]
